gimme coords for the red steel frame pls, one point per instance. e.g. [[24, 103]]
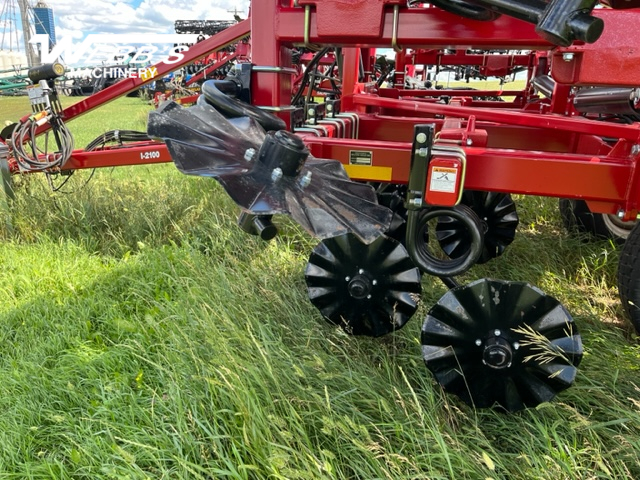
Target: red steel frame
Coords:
[[541, 148]]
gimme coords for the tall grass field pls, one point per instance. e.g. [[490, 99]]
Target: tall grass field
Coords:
[[144, 336]]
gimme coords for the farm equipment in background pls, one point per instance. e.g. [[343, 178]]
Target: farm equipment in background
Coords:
[[396, 181], [13, 82]]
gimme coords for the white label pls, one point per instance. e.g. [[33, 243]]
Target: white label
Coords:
[[360, 157], [443, 179], [149, 155]]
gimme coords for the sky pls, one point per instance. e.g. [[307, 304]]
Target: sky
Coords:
[[78, 18]]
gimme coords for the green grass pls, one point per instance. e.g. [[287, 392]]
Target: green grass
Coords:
[[127, 113], [146, 337]]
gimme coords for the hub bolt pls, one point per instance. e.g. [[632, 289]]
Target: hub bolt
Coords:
[[276, 174], [249, 154], [305, 180]]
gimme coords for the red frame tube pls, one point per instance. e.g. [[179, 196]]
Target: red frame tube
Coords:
[[573, 160]]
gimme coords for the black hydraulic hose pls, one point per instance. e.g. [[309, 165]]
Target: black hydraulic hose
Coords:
[[465, 9], [558, 21], [310, 67], [213, 91], [527, 10]]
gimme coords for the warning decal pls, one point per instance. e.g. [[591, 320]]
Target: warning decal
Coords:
[[443, 179]]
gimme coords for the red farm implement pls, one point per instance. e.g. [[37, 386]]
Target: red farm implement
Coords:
[[398, 177]]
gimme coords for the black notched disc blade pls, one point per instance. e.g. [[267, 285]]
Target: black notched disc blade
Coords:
[[365, 289], [505, 343], [392, 196], [496, 211], [321, 197], [329, 206]]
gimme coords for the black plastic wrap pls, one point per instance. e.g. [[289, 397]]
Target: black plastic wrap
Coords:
[[320, 197]]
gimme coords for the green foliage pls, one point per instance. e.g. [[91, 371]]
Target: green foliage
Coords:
[[146, 337], [126, 113]]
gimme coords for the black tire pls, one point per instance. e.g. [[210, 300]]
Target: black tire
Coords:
[[577, 217], [629, 277]]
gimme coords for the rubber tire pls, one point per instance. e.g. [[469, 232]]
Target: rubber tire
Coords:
[[629, 277], [577, 217], [420, 253]]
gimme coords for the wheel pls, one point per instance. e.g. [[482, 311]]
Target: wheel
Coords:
[[629, 276], [426, 251], [497, 213], [506, 343], [577, 217], [365, 289]]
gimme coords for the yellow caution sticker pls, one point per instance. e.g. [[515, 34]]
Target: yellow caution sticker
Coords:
[[363, 172]]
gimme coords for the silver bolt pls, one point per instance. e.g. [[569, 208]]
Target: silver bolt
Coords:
[[423, 152], [276, 174], [620, 214], [249, 154], [361, 271], [567, 57], [415, 201], [516, 345], [346, 279], [469, 142], [497, 332], [311, 112], [305, 180], [368, 297], [635, 149], [421, 138], [478, 342], [374, 282], [329, 107]]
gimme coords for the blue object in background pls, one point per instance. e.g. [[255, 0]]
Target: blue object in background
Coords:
[[44, 22]]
